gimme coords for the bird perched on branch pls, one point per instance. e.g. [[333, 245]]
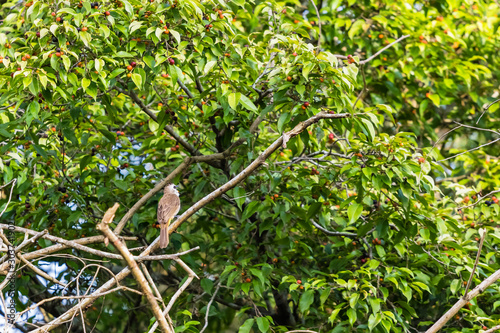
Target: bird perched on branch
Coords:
[[168, 207]]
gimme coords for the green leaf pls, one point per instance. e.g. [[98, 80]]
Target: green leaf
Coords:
[[455, 285], [258, 273], [284, 119], [85, 83], [247, 326], [247, 103], [250, 209], [306, 300], [374, 320], [176, 35], [263, 324], [207, 285], [354, 212], [351, 314], [70, 135], [99, 64], [209, 66], [233, 100], [353, 300], [239, 196], [355, 28], [150, 61], [137, 78]]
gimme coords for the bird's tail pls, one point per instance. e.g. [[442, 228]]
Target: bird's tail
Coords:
[[164, 235]]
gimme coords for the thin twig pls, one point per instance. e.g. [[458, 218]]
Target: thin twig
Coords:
[[319, 25], [25, 243], [208, 308], [476, 262], [467, 151], [13, 181], [334, 233], [493, 329], [486, 109], [362, 62], [191, 276], [479, 199]]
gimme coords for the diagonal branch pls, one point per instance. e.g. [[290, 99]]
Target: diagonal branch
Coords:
[[464, 300], [191, 276], [476, 262], [362, 62]]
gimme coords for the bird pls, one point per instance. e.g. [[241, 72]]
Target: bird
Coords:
[[168, 207]]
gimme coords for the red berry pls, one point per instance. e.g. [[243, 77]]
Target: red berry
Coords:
[[299, 281], [133, 63], [107, 13], [306, 104], [171, 61], [294, 54]]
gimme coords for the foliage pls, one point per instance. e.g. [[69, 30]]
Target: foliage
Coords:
[[100, 101]]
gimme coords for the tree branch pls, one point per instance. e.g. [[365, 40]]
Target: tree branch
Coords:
[[476, 262], [362, 62], [464, 300], [136, 271]]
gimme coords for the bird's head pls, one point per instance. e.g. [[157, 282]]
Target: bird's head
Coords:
[[170, 189]]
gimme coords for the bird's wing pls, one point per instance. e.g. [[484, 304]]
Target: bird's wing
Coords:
[[168, 206]]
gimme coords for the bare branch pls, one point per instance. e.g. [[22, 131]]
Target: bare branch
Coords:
[[334, 233], [480, 198], [476, 262], [319, 25], [493, 329], [489, 105], [467, 151], [462, 301], [25, 243], [13, 181], [208, 308], [362, 62], [179, 291], [253, 166]]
